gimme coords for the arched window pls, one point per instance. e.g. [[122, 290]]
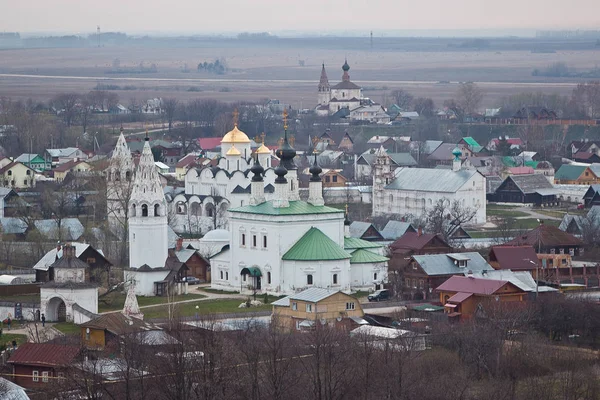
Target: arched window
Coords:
[[391, 198], [9, 173], [375, 276], [181, 207], [128, 175], [309, 279], [28, 172], [144, 210], [196, 209], [269, 278], [133, 210], [335, 279], [406, 200], [156, 210]]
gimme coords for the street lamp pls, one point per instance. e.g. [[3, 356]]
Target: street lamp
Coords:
[[536, 276]]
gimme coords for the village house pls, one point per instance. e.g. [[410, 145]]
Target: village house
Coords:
[[34, 161], [59, 156], [198, 266], [98, 333], [365, 231], [592, 196], [188, 161], [337, 140], [17, 175], [514, 258], [424, 273], [333, 178], [415, 243], [575, 174], [34, 365], [464, 297], [76, 166], [586, 157], [534, 113], [548, 239], [585, 146], [305, 310], [372, 113], [366, 161], [395, 229], [526, 189]]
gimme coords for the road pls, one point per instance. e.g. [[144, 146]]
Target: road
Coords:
[[483, 84]]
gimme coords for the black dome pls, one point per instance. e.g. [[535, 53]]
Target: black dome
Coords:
[[258, 171], [315, 170]]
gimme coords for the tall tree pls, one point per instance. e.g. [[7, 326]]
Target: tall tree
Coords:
[[402, 98], [170, 105], [469, 97]]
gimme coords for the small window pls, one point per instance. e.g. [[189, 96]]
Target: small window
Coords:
[[226, 276], [552, 251], [243, 239], [28, 172], [375, 276], [562, 251], [253, 240], [334, 178], [221, 274], [572, 252], [90, 260], [309, 279], [309, 308], [36, 376], [269, 278], [298, 324], [335, 279], [264, 242], [244, 277], [327, 179], [294, 306], [25, 181], [350, 305]]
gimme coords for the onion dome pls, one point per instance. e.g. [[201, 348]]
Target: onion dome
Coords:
[[257, 170], [280, 171], [263, 150], [233, 152], [345, 67], [235, 136], [456, 153], [286, 154], [315, 170]]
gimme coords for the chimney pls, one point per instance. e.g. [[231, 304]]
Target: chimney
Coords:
[[179, 244], [69, 251], [419, 230]]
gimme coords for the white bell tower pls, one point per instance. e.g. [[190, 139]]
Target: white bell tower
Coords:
[[119, 183], [148, 237]]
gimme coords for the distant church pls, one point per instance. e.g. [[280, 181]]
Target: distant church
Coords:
[[345, 94]]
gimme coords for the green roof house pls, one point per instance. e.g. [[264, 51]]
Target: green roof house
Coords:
[[577, 174]]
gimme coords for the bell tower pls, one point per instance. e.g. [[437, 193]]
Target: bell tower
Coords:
[[119, 183], [324, 95], [382, 176]]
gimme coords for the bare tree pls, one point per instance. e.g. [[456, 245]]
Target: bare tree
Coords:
[[424, 106], [402, 98], [445, 216], [66, 105], [170, 105], [469, 97]]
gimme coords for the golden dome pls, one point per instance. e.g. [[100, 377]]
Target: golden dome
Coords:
[[233, 152], [263, 150], [235, 136]]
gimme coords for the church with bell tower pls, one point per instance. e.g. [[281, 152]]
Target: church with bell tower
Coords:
[[345, 94]]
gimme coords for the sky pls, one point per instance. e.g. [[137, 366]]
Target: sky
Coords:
[[318, 16]]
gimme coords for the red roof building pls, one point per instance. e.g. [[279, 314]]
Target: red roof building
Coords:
[[515, 258], [35, 365], [548, 239], [210, 143], [464, 296]]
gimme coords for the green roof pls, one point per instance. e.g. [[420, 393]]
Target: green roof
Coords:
[[532, 164], [509, 161], [252, 271], [569, 172], [427, 307], [315, 246], [351, 243], [472, 143], [295, 208], [362, 256]]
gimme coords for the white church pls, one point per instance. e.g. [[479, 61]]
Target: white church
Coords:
[[285, 245], [211, 190], [346, 94]]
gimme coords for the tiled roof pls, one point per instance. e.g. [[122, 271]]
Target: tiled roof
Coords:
[[431, 180], [569, 172], [362, 256], [44, 354], [465, 284], [352, 243], [295, 208], [514, 257], [444, 264], [547, 236], [314, 245]]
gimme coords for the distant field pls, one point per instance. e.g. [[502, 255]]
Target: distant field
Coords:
[[275, 72]]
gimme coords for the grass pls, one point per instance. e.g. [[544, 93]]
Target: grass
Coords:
[[24, 298], [225, 306], [68, 328], [360, 294], [550, 213], [218, 291], [504, 212], [7, 338], [115, 301], [530, 223]]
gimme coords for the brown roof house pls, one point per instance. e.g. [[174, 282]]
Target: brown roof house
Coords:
[[36, 364], [548, 239], [514, 258], [412, 243]]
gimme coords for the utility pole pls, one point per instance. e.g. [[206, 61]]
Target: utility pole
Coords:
[[98, 34], [371, 40]]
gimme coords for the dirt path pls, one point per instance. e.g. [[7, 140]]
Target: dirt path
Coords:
[[534, 214]]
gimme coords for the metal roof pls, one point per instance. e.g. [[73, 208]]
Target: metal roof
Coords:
[[71, 228], [362, 256], [295, 208], [430, 180], [569, 172], [352, 243], [313, 295], [394, 229], [50, 257], [459, 256], [12, 391], [314, 245], [13, 226], [442, 264], [471, 285], [381, 332], [44, 354], [531, 183]]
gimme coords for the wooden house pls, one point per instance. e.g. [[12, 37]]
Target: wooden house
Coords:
[[35, 365], [415, 243], [570, 174], [525, 189]]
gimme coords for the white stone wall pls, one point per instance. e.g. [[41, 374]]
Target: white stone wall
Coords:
[[9, 311], [49, 299], [148, 241], [363, 275], [144, 281]]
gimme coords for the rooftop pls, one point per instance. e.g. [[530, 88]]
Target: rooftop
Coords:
[[444, 264], [422, 179], [295, 208], [473, 285], [44, 354], [314, 245]]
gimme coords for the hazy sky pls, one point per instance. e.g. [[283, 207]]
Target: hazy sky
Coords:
[[202, 16]]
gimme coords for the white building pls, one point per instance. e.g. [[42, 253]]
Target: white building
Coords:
[[69, 290], [119, 183], [211, 190], [345, 94], [285, 245], [413, 191]]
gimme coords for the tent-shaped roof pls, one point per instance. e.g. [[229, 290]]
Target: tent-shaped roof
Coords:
[[362, 256], [315, 246]]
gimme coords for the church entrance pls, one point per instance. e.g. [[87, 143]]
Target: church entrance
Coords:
[[255, 277], [56, 310], [62, 312]]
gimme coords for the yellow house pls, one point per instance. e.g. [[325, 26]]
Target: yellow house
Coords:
[[17, 176], [61, 171], [98, 333], [304, 310]]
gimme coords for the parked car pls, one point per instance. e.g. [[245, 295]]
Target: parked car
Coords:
[[379, 295], [192, 280]]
